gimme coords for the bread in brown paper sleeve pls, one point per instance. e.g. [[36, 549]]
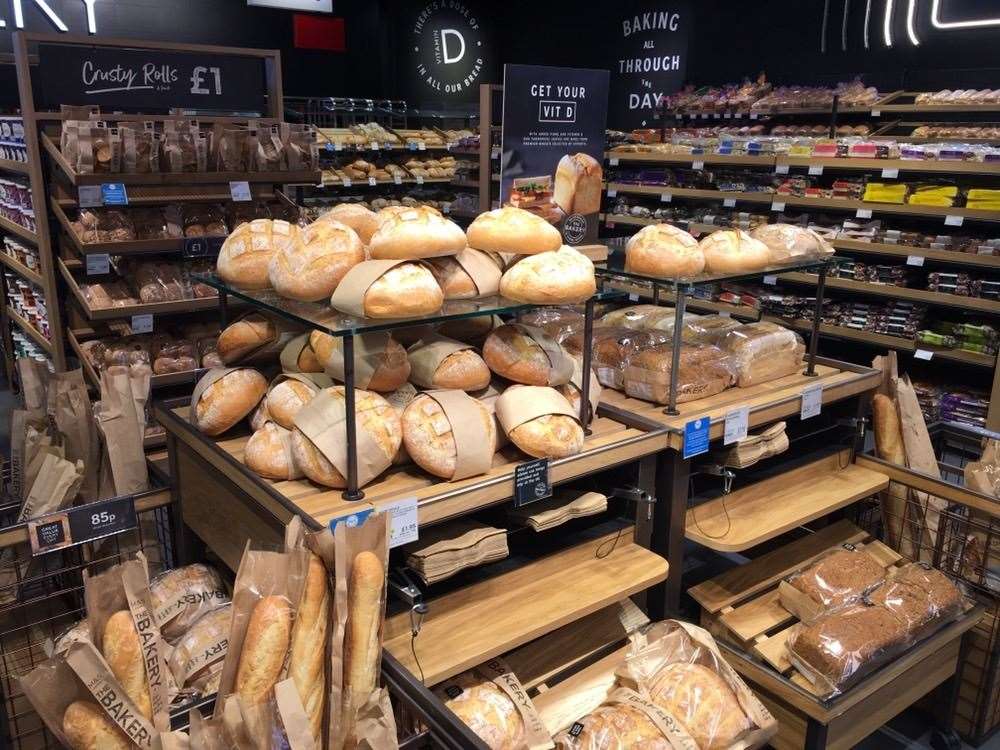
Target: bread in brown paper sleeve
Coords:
[[380, 362], [540, 421], [388, 289], [268, 453], [527, 355], [438, 362], [467, 275], [224, 396], [254, 338], [289, 392], [449, 434], [298, 356]]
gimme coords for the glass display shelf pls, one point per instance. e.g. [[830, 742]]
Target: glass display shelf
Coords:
[[320, 316]]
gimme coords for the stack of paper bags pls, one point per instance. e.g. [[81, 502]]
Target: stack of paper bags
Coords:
[[754, 448], [445, 550], [558, 509]]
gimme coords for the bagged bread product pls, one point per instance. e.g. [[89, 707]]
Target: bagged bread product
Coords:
[[224, 396], [626, 720], [468, 274], [539, 421], [527, 355], [919, 596], [197, 657], [388, 289], [556, 277], [707, 329], [319, 440], [267, 149], [232, 149], [513, 230], [557, 322], [307, 656], [578, 184], [314, 263], [87, 727], [268, 453], [982, 475], [703, 371], [298, 356], [362, 220], [733, 251], [612, 350], [838, 578], [246, 254], [301, 148], [289, 392], [763, 351], [437, 362], [665, 251], [380, 362], [449, 434], [787, 242], [416, 232]]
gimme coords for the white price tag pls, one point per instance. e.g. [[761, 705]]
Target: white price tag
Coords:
[[953, 221], [923, 354], [914, 260], [697, 165], [812, 401], [97, 264], [863, 213], [704, 115], [89, 196], [736, 425], [725, 314], [778, 206], [666, 198], [781, 169], [890, 174], [421, 146], [876, 113], [397, 178], [633, 298], [613, 161], [727, 115], [678, 116], [816, 170], [372, 181], [338, 146], [347, 182], [142, 324], [771, 280], [753, 115], [240, 191], [729, 203], [420, 179], [446, 208], [609, 224], [612, 193], [403, 524], [374, 147]]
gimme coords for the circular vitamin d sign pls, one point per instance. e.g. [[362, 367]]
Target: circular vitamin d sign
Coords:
[[448, 47]]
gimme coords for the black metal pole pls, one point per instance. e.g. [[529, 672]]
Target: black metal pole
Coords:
[[672, 474], [656, 293], [588, 346], [224, 307], [817, 319], [675, 354], [352, 492]]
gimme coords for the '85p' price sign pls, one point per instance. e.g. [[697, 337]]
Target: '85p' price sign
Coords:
[[84, 524]]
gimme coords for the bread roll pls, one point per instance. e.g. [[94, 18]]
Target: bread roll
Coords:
[[408, 290], [122, 651], [310, 268], [264, 647], [416, 233], [787, 242], [361, 639], [516, 352], [244, 336], [428, 436], [357, 217], [286, 398], [245, 255], [306, 663], [268, 453], [392, 368], [182, 595], [553, 435], [734, 251], [664, 250], [702, 702], [228, 400], [557, 277], [374, 415], [513, 230], [578, 184], [87, 727]]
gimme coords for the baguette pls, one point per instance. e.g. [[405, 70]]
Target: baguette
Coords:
[[124, 655], [264, 649], [309, 636], [361, 642], [87, 727], [888, 436]]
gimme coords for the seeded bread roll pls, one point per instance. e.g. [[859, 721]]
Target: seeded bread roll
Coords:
[[416, 233], [310, 268], [306, 662], [245, 255], [286, 398], [87, 727], [513, 353], [513, 230], [357, 217], [404, 291], [120, 644], [268, 453], [228, 400], [245, 335], [734, 251], [264, 648], [428, 437], [664, 250], [557, 277], [391, 372]]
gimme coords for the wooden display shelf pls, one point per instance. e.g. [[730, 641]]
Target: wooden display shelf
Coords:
[[77, 337], [905, 251], [893, 105], [33, 333], [764, 510], [131, 247], [637, 221], [903, 165], [764, 160], [977, 304], [113, 313], [18, 267], [465, 183], [483, 620], [21, 167], [338, 183], [767, 402], [17, 230], [156, 195]]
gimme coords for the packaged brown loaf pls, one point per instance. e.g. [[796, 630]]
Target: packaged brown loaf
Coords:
[[762, 352], [612, 349], [703, 371]]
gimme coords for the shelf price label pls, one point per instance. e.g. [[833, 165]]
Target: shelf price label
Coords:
[[89, 196], [372, 181], [397, 179], [781, 169], [729, 203], [812, 401], [142, 324], [404, 526], [770, 280], [666, 197], [531, 482], [753, 115], [778, 206], [876, 113], [914, 260], [697, 165], [375, 146], [736, 425], [202, 247], [953, 221], [924, 354], [84, 524], [696, 437], [727, 115], [240, 191], [113, 194], [613, 161], [612, 193], [420, 179], [863, 213], [421, 146], [890, 174], [816, 170], [98, 264]]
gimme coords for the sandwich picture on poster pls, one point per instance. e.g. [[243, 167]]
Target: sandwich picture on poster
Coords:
[[553, 146]]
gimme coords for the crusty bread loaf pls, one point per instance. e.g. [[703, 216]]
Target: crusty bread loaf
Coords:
[[228, 400], [87, 727], [734, 251], [245, 255], [557, 277], [362, 220], [664, 250], [204, 644], [404, 291], [487, 711], [264, 647], [513, 230], [268, 453], [469, 330], [549, 436], [392, 370], [416, 232], [428, 437], [307, 659], [463, 370], [513, 351], [454, 280], [286, 398], [578, 184], [259, 416], [182, 595], [310, 268], [361, 639], [888, 435], [702, 702], [122, 651], [618, 727], [787, 242], [243, 336]]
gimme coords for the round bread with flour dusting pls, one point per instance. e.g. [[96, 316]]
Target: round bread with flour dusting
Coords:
[[228, 400], [513, 230], [311, 267], [428, 436], [664, 250], [417, 232], [362, 220], [246, 254], [557, 277]]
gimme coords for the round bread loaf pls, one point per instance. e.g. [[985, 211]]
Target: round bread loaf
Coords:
[[305, 357], [469, 330], [268, 453], [389, 212], [464, 370], [454, 280], [428, 436], [243, 337], [408, 290], [619, 726], [734, 251], [362, 220], [664, 250], [182, 595], [226, 401], [702, 702], [310, 268], [87, 727], [399, 399], [557, 277], [787, 242], [374, 415], [391, 372], [512, 353], [416, 233], [487, 711], [245, 255], [286, 398], [260, 416], [545, 436], [513, 230]]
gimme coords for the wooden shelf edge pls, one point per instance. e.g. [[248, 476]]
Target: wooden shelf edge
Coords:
[[20, 167], [18, 230], [977, 304], [33, 276], [29, 329], [944, 256]]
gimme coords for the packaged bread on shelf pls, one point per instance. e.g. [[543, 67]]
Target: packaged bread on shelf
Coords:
[[513, 230], [438, 362], [319, 439], [183, 595], [246, 254], [359, 218], [416, 232], [311, 266], [708, 329], [557, 322], [224, 396], [787, 242], [254, 337], [838, 578], [612, 349], [268, 453], [527, 355], [388, 289], [921, 597], [289, 392], [466, 275], [449, 434], [196, 658], [556, 277], [644, 318], [703, 371], [578, 184], [664, 251], [448, 548], [624, 721], [380, 362], [298, 356], [733, 251], [539, 421], [762, 352]]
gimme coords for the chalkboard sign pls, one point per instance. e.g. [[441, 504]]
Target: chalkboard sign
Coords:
[[531, 482], [84, 524], [149, 79]]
